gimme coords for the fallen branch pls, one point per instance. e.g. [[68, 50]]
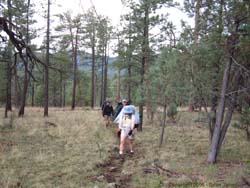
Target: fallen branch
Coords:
[[160, 170], [50, 124]]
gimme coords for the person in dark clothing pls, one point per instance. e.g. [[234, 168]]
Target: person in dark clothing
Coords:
[[120, 106], [107, 112], [118, 109], [103, 105]]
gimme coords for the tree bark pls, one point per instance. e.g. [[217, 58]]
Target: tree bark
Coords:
[[118, 90], [197, 21], [230, 109], [163, 125], [61, 91], [215, 142], [46, 68], [16, 91], [105, 85], [214, 100], [213, 149], [8, 106], [64, 94], [144, 62], [32, 94], [26, 65], [129, 63], [196, 41], [25, 88], [102, 80], [75, 72], [93, 85]]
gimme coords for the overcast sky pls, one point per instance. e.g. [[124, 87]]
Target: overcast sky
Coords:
[[110, 8]]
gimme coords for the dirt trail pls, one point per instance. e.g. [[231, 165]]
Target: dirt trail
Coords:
[[112, 171], [112, 168]]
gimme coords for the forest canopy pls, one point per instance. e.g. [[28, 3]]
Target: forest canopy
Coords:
[[206, 66]]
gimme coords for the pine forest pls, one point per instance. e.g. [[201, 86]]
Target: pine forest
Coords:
[[187, 81]]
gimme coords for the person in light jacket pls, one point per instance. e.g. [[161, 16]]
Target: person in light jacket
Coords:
[[126, 127]]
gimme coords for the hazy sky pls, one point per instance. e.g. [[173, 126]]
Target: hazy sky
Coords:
[[111, 8]]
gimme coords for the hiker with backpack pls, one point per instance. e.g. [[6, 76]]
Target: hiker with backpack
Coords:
[[126, 129], [119, 107], [107, 112]]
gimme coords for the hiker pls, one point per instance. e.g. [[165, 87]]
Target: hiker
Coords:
[[107, 113], [119, 109], [126, 128], [103, 104]]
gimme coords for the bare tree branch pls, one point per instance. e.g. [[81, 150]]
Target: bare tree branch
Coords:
[[244, 68], [20, 45]]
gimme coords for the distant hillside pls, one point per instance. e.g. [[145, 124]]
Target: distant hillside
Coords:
[[84, 62]]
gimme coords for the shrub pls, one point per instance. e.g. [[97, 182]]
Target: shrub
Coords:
[[172, 111], [245, 121]]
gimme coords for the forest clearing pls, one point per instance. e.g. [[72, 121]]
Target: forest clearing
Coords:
[[75, 149], [183, 82]]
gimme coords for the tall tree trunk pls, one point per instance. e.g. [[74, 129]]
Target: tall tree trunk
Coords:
[[129, 62], [26, 76], [25, 88], [196, 41], [141, 104], [163, 125], [231, 107], [46, 68], [8, 106], [61, 90], [16, 91], [214, 100], [129, 81], [197, 21], [75, 72], [64, 94], [144, 62], [105, 83], [118, 90], [215, 142], [219, 116], [32, 93], [102, 80], [93, 82]]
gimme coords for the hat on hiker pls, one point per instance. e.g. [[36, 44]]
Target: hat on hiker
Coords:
[[128, 110], [124, 100]]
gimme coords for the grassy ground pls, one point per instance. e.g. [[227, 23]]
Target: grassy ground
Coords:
[[67, 150]]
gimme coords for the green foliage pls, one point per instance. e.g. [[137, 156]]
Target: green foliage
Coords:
[[172, 110], [245, 121], [39, 95], [245, 116], [166, 83]]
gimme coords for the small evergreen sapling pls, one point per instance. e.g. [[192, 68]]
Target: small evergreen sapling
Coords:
[[172, 111]]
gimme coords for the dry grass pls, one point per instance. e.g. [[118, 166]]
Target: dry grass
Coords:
[[63, 150], [184, 154], [59, 151]]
